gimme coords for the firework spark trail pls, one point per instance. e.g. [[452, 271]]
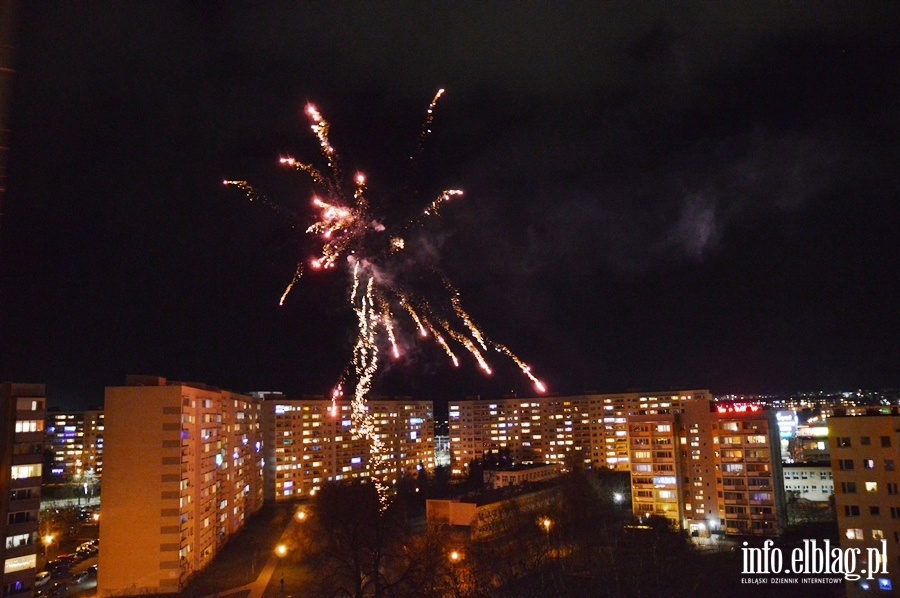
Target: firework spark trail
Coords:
[[469, 345], [254, 196], [440, 340], [415, 317], [445, 196], [297, 274], [320, 127], [387, 321], [309, 169], [526, 369], [473, 329], [366, 365], [426, 125], [349, 230]]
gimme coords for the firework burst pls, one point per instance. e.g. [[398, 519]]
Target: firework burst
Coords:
[[386, 281]]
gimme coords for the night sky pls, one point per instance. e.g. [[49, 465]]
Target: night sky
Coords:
[[657, 196]]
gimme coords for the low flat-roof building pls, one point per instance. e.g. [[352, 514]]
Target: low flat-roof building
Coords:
[[808, 481], [520, 474]]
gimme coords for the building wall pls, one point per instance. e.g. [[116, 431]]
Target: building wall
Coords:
[[656, 481], [314, 445], [808, 481], [711, 467], [590, 429], [22, 415], [76, 440], [506, 477], [183, 470], [866, 467]]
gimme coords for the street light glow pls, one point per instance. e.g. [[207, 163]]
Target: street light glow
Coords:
[[455, 556], [281, 550], [546, 522], [300, 516]]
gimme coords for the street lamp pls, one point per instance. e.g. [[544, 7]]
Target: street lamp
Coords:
[[281, 550], [547, 523], [48, 542], [455, 556], [300, 515]]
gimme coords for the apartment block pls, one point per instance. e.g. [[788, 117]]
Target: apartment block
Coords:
[[76, 440], [865, 458], [810, 443], [808, 481], [22, 414], [313, 444], [183, 469], [589, 428], [710, 467]]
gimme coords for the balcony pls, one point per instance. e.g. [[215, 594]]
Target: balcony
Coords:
[[29, 504], [762, 487], [26, 527]]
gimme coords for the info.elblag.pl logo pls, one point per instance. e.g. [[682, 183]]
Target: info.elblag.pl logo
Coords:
[[813, 559]]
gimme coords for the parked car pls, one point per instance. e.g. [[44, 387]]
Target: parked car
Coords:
[[92, 571], [80, 576], [42, 579], [58, 569]]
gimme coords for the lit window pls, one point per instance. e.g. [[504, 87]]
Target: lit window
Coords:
[[854, 534]]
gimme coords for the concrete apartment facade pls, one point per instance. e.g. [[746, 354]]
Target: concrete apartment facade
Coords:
[[312, 444], [183, 469], [808, 481], [590, 429], [22, 415], [709, 467], [76, 440], [865, 460]]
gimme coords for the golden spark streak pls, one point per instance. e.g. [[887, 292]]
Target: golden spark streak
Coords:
[[320, 127], [412, 314], [445, 196], [526, 369], [476, 333], [297, 274], [314, 174], [429, 118], [470, 347], [440, 340]]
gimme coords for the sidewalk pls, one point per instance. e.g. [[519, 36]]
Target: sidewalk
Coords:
[[258, 587]]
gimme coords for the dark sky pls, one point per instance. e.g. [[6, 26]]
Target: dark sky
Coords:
[[657, 195]]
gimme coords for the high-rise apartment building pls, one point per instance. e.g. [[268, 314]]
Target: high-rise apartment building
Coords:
[[590, 428], [709, 467], [183, 468], [22, 413], [312, 444], [865, 460], [76, 440]]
